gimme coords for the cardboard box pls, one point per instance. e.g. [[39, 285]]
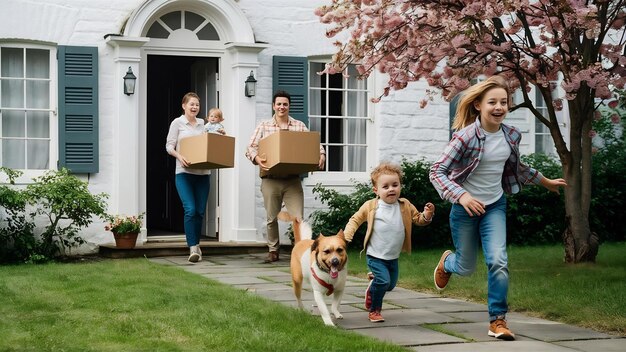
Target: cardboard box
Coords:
[[208, 151], [290, 152]]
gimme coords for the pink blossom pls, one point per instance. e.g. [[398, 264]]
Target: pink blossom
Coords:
[[613, 104], [597, 115], [615, 119]]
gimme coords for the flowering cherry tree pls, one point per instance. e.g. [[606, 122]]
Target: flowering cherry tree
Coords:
[[572, 51]]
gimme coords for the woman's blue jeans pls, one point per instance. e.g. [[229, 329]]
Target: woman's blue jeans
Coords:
[[385, 279], [490, 230], [193, 191]]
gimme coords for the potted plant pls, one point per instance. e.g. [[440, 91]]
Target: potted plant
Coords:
[[125, 229]]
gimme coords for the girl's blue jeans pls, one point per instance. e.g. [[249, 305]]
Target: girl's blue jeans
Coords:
[[193, 191], [385, 279], [490, 230]]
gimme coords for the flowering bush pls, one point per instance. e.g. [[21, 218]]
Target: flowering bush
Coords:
[[123, 223]]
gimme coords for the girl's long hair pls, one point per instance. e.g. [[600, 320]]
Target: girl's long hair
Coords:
[[466, 113]]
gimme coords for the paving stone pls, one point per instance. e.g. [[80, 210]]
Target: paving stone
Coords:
[[606, 345], [551, 331], [495, 346], [410, 335], [395, 317], [476, 331], [439, 304], [239, 280]]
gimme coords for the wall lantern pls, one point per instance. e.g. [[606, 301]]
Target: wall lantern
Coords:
[[250, 90], [129, 82]]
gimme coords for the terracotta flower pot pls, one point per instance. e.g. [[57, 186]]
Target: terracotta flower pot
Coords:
[[125, 240]]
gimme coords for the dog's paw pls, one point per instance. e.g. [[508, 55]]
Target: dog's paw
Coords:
[[338, 315]]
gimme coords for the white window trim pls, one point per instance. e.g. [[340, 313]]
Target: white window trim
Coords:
[[348, 178], [28, 175]]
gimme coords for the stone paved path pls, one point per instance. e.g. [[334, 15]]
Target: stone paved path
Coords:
[[405, 312]]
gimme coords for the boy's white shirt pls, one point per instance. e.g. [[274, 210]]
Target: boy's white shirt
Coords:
[[387, 233]]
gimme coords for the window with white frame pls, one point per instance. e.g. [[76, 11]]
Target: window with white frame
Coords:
[[26, 106], [338, 109], [543, 138]]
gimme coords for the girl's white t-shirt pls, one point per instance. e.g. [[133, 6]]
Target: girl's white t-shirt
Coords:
[[485, 183]]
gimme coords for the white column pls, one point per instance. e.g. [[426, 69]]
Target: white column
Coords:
[[238, 185], [125, 196]]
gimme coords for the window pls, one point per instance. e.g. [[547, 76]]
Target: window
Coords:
[[26, 112], [167, 24], [338, 109], [543, 139]]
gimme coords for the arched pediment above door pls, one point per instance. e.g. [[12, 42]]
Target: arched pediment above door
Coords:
[[220, 20]]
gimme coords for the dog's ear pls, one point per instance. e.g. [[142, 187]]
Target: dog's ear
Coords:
[[341, 236], [316, 243]]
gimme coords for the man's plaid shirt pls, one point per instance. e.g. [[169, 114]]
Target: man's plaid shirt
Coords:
[[267, 127], [463, 154]]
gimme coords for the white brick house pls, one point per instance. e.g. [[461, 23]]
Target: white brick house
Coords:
[[62, 101]]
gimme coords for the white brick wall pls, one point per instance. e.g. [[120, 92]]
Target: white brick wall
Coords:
[[288, 26]]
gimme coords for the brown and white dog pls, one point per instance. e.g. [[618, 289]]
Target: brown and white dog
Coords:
[[323, 262]]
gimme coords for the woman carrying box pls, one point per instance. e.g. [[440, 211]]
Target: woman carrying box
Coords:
[[192, 184]]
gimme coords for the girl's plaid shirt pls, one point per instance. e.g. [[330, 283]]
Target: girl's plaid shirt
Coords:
[[463, 154]]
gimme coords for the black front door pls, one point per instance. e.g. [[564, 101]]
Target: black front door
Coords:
[[169, 78]]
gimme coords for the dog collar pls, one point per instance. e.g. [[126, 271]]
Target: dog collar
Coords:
[[329, 288], [320, 267]]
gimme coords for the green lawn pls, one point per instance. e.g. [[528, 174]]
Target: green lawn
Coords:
[[541, 285], [137, 305]]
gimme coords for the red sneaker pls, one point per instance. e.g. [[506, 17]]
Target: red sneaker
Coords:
[[375, 317]]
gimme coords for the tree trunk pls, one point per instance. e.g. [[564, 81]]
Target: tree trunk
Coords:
[[581, 244]]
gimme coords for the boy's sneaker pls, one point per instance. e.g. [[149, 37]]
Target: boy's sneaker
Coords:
[[440, 275], [194, 254], [368, 295], [499, 330], [375, 317]]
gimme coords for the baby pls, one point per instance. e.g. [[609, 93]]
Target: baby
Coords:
[[214, 120]]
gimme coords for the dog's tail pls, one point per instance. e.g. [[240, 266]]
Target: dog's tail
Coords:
[[301, 229]]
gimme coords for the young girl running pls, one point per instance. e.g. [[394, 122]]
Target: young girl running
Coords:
[[479, 165]]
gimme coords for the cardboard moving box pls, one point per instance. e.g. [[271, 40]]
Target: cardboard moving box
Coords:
[[208, 151], [290, 152]]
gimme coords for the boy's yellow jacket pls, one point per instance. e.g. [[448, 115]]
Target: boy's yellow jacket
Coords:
[[410, 215]]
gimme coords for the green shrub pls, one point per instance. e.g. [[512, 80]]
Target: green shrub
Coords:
[[609, 171], [17, 242], [60, 198], [535, 215]]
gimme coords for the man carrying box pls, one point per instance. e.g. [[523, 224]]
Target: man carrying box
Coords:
[[277, 189]]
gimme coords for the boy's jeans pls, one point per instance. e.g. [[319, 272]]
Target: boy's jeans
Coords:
[[193, 191], [490, 230], [385, 279]]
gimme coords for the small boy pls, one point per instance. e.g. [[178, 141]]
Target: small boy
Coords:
[[214, 120], [389, 220]]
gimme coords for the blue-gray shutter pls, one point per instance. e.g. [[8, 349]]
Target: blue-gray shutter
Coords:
[[290, 75], [78, 108], [452, 112]]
